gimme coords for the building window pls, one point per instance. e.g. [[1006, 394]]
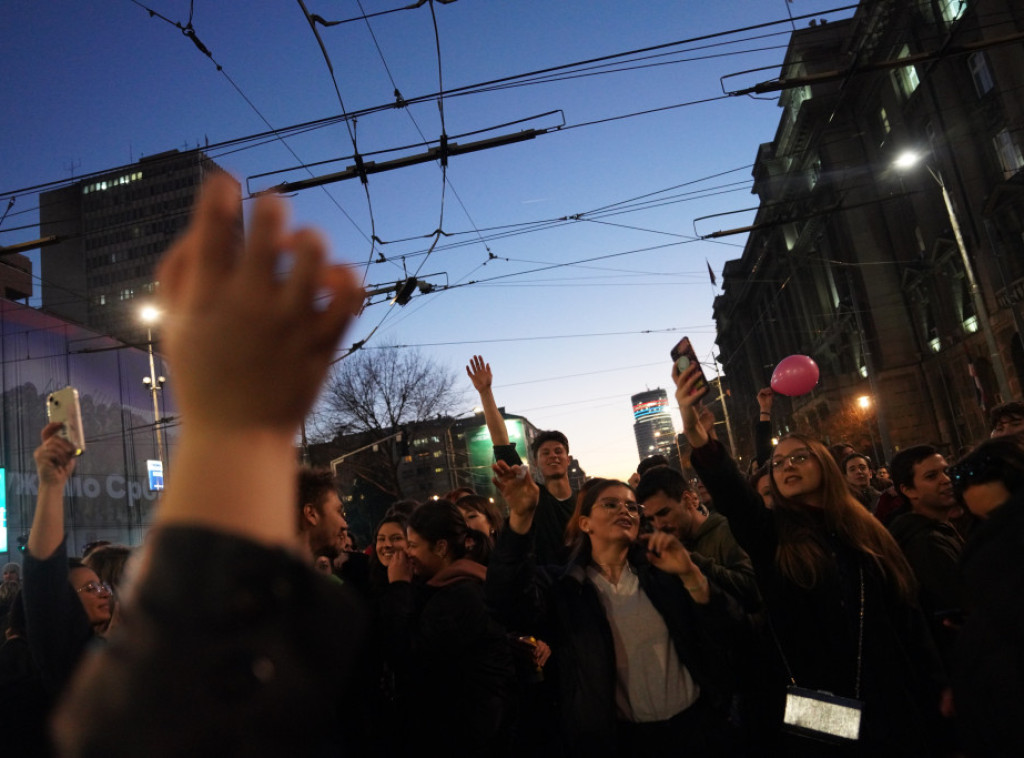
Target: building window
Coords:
[[977, 63], [883, 117], [905, 79], [952, 9], [1010, 157]]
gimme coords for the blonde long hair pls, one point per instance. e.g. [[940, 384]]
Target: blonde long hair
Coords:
[[803, 559]]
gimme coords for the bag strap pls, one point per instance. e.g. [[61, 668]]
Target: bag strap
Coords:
[[860, 641]]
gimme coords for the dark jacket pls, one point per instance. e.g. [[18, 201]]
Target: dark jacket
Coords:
[[56, 624], [715, 551], [226, 647], [563, 605], [933, 551], [988, 675], [452, 661], [817, 629]]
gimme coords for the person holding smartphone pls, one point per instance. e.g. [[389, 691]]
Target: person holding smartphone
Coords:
[[843, 618], [555, 495]]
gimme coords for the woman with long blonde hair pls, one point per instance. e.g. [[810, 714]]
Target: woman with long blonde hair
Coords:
[[843, 627]]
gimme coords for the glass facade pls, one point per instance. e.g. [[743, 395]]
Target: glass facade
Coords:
[[109, 496]]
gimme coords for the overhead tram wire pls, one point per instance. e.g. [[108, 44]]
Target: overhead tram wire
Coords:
[[665, 330], [445, 183], [363, 177], [279, 133], [189, 32], [351, 133]]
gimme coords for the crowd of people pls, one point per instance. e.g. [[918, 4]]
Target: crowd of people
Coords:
[[814, 605]]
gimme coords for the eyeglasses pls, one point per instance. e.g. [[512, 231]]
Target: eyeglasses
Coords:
[[96, 588], [614, 503], [793, 459]]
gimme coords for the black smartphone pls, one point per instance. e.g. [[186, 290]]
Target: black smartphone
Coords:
[[508, 454], [683, 357]]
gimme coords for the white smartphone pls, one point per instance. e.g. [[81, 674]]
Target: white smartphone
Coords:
[[63, 406]]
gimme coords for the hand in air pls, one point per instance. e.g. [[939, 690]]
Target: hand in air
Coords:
[[234, 321], [479, 373], [55, 457], [520, 492]]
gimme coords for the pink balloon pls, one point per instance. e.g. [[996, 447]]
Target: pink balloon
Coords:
[[795, 375]]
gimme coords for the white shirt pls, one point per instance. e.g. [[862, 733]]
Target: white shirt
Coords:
[[652, 684]]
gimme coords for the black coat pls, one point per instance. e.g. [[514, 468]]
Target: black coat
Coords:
[[561, 606], [817, 629], [988, 673], [453, 666]]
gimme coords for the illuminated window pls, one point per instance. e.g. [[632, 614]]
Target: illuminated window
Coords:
[[884, 118], [977, 63], [953, 9], [905, 79], [1009, 153]]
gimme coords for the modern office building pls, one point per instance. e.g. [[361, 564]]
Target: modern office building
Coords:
[[111, 230], [904, 284], [652, 425]]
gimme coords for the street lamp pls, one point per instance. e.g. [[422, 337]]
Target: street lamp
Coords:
[[149, 316], [909, 159], [864, 402]]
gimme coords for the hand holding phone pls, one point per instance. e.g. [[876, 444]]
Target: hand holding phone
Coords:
[[683, 357], [63, 406]]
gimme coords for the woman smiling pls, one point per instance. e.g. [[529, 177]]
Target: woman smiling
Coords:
[[844, 631], [637, 633]]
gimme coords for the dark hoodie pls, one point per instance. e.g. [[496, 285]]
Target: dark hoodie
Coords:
[[453, 665]]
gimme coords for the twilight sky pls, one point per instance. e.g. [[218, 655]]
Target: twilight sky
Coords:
[[574, 252]]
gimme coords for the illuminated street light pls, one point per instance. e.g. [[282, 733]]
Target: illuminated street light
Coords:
[[864, 401], [909, 159], [149, 316]]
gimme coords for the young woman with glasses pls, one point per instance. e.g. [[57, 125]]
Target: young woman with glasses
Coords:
[[639, 638], [841, 598]]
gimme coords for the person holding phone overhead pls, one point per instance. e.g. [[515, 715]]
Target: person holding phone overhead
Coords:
[[840, 597]]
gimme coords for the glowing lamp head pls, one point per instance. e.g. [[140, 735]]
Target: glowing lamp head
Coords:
[[907, 159], [149, 314]]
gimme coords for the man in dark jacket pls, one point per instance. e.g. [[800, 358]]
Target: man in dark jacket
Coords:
[[930, 542]]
